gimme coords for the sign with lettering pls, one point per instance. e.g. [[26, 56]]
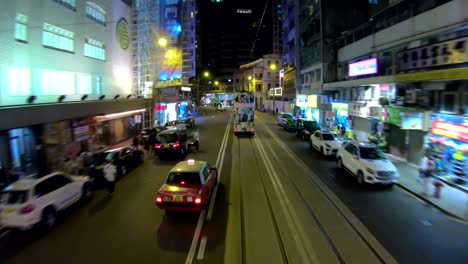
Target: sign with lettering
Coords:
[[444, 53], [357, 109], [456, 131]]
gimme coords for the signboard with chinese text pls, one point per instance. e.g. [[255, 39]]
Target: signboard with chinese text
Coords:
[[358, 109], [363, 67], [444, 53], [301, 100]]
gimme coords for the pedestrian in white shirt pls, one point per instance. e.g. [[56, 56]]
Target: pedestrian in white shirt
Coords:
[[110, 172], [196, 138], [425, 172]]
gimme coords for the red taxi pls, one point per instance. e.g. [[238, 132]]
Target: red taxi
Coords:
[[188, 186]]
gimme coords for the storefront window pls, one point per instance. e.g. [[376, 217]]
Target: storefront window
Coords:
[[448, 102]]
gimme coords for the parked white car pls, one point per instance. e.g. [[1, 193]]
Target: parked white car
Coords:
[[282, 117], [325, 141], [367, 162], [30, 201]]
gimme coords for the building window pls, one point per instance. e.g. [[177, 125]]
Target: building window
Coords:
[[17, 81], [56, 82], [98, 84], [84, 84], [94, 49], [96, 13], [449, 104], [57, 38], [21, 28], [70, 4]]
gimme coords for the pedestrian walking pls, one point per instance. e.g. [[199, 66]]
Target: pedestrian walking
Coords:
[[425, 172], [151, 141], [136, 142], [196, 138], [110, 172]]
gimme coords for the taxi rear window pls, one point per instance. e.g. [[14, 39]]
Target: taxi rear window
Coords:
[[183, 178], [16, 197]]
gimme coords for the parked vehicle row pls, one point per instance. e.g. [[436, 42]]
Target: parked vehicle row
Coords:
[[31, 201], [365, 161]]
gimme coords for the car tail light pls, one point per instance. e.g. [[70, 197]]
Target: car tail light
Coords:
[[175, 145], [158, 146], [158, 199], [198, 200], [26, 210]]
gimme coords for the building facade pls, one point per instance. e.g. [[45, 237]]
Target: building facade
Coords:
[[260, 77], [65, 80], [402, 82]]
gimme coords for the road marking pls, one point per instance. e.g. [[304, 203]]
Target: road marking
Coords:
[[220, 168], [294, 226], [343, 209], [201, 250], [201, 219]]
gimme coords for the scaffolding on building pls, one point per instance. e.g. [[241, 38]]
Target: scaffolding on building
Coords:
[[142, 61]]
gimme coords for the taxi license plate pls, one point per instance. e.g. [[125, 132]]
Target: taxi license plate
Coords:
[[166, 145], [9, 211], [178, 198]]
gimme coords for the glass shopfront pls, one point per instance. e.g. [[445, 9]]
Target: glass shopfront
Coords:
[[448, 144]]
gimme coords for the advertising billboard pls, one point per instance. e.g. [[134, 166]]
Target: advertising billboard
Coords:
[[364, 67], [412, 121]]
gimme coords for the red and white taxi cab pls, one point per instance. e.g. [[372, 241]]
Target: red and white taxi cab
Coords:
[[188, 186]]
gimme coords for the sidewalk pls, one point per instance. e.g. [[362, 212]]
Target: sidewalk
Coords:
[[452, 201]]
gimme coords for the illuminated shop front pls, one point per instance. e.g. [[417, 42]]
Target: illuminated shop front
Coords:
[[307, 107], [338, 116], [448, 143]]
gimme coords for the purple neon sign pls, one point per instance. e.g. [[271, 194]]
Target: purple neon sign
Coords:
[[363, 67]]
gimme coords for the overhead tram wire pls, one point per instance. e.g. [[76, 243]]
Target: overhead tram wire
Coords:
[[258, 30]]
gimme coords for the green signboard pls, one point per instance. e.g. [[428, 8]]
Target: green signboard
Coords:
[[393, 114]]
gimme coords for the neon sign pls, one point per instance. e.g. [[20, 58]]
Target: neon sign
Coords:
[[459, 132], [363, 67]]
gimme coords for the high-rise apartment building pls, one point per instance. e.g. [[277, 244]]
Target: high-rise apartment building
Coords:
[[234, 32]]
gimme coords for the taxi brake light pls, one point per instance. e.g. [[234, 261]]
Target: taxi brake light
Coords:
[[158, 146], [26, 210], [175, 145], [197, 200], [182, 182], [158, 199]]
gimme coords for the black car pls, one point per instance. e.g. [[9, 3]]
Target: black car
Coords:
[[126, 159], [305, 128], [188, 122], [172, 142], [290, 125]]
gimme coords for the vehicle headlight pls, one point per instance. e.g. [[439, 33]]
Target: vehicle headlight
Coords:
[[370, 171], [327, 145]]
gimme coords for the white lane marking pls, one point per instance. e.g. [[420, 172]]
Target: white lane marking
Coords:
[[196, 235], [201, 250], [220, 169], [201, 219], [345, 211], [285, 204]]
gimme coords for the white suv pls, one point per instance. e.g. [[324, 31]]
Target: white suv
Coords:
[[368, 163], [282, 117], [29, 201], [325, 141]]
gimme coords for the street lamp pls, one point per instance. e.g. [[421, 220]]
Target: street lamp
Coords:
[[216, 83], [162, 42], [206, 74]]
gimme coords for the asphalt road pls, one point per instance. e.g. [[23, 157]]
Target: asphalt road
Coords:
[[411, 230], [267, 205]]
